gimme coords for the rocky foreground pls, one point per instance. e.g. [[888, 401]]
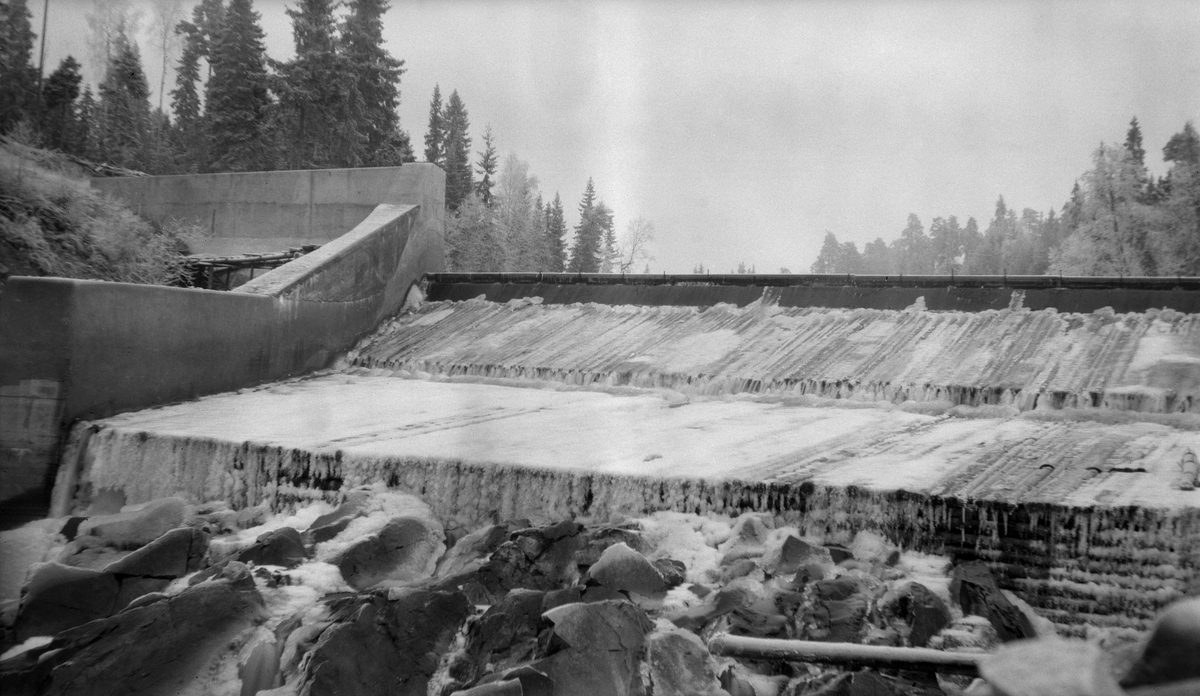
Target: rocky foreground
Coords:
[[378, 596]]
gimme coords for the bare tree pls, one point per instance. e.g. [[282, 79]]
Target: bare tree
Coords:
[[164, 39], [634, 248]]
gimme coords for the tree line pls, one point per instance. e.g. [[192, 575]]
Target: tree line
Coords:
[[1119, 220], [333, 105], [499, 220], [234, 109]]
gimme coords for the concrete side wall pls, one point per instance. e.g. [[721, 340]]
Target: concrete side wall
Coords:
[[76, 349], [269, 211]]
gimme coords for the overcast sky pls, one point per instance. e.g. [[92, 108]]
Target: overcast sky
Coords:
[[746, 130]]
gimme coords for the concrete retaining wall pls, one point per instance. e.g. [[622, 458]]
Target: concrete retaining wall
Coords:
[[77, 349], [271, 211]]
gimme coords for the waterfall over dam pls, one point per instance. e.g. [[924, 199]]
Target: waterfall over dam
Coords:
[[1054, 445]]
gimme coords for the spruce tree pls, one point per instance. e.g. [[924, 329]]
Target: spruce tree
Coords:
[[457, 148], [1133, 143], [124, 108], [312, 91], [373, 129], [585, 254], [60, 125], [556, 231], [434, 137], [190, 131], [85, 137], [608, 238], [237, 101], [18, 77], [486, 167]]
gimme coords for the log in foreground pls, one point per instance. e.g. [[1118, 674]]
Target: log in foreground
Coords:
[[846, 654]]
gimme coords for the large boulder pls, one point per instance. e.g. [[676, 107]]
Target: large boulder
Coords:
[[595, 649], [504, 637], [472, 551], [838, 611], [278, 547], [975, 590], [623, 569], [680, 665], [158, 648], [59, 597], [747, 539], [404, 551], [172, 555], [1171, 652], [924, 612], [384, 646], [136, 528], [534, 558]]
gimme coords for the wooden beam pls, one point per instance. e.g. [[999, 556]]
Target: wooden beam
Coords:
[[846, 654]]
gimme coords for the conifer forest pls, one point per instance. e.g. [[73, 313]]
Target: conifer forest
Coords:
[[335, 104]]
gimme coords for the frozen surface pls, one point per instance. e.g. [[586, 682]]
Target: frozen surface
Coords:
[[1147, 361], [352, 417]]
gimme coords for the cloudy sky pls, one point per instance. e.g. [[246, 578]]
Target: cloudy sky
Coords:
[[746, 130]]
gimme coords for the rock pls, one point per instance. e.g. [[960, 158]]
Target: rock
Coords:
[[158, 648], [838, 553], [536, 558], [405, 550], [331, 524], [1042, 627], [925, 613], [471, 552], [172, 555], [599, 539], [975, 590], [868, 683], [278, 547], [512, 687], [1049, 667], [796, 553], [1171, 651], [968, 634], [134, 587], [506, 635], [749, 536], [59, 597], [252, 516], [594, 649], [130, 530], [533, 682], [557, 598], [735, 684], [838, 611], [623, 569], [680, 665], [385, 646], [229, 569], [738, 569], [673, 572], [810, 572], [90, 552]]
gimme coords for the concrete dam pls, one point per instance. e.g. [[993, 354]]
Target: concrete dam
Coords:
[[1047, 427]]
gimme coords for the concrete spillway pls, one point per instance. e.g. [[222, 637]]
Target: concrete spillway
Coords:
[[1049, 444], [1146, 361]]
